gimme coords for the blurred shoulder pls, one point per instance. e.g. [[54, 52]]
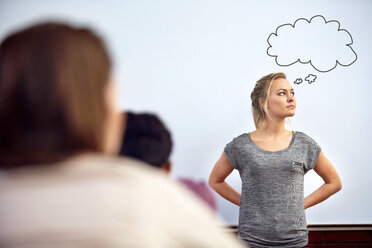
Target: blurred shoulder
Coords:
[[118, 166]]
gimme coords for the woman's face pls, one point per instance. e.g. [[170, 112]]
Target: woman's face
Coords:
[[281, 102]]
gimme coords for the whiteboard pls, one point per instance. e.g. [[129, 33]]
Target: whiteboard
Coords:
[[195, 63]]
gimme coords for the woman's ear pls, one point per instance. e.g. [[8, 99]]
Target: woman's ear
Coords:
[[261, 101], [114, 124]]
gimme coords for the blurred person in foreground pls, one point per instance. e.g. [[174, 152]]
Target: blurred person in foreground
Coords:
[[57, 188], [147, 139]]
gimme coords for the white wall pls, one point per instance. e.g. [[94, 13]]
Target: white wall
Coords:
[[195, 63]]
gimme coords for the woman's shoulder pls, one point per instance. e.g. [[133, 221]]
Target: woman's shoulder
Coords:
[[240, 138], [122, 165], [303, 137]]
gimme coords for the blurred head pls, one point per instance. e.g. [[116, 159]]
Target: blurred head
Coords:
[[146, 138], [54, 91], [260, 97]]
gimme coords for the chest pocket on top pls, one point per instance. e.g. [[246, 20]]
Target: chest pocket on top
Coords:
[[298, 166]]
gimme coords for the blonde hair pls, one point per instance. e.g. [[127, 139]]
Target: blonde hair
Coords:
[[262, 91]]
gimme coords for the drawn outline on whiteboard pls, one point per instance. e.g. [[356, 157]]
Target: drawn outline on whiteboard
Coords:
[[304, 23]]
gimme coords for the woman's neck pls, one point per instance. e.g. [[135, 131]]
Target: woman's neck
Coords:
[[272, 128]]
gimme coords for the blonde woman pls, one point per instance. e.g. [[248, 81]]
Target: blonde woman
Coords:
[[272, 162]]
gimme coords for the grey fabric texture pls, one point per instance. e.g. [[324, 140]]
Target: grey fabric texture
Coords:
[[272, 199]]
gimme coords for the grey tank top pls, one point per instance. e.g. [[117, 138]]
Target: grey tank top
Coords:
[[272, 199]]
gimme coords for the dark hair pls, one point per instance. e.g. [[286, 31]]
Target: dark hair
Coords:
[[146, 138], [52, 82]]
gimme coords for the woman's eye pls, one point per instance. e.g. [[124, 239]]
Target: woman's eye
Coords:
[[281, 93], [292, 93]]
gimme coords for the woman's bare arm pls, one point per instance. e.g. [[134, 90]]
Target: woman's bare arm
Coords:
[[221, 170], [332, 182]]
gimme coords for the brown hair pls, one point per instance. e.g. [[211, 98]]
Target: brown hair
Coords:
[[262, 91], [52, 82]]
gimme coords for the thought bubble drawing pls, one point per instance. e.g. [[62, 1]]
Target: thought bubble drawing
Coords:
[[298, 81], [310, 78], [316, 41]]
